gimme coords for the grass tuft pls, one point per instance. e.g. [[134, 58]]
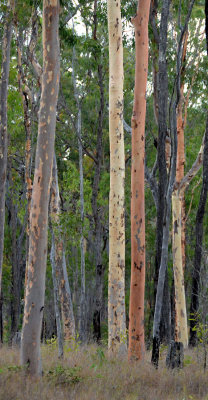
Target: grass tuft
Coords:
[[87, 373]]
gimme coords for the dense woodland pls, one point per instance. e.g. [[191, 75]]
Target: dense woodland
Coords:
[[95, 256]]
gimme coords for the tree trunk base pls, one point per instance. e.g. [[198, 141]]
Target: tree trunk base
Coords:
[[175, 355], [155, 351], [96, 326]]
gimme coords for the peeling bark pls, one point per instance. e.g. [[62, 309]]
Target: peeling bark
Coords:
[[136, 312], [116, 281], [35, 290], [178, 221], [181, 328]]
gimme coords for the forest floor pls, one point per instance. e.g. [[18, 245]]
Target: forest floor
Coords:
[[86, 373]]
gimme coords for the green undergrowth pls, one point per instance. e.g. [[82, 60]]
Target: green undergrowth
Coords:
[[87, 373]]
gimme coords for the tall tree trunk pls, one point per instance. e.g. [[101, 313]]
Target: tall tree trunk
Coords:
[[172, 173], [136, 312], [160, 99], [6, 44], [162, 167], [60, 262], [34, 301], [97, 213], [116, 282], [178, 220]]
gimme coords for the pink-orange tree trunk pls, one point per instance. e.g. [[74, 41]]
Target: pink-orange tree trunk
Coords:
[[136, 313]]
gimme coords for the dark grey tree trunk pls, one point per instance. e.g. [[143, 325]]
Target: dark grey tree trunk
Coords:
[[97, 212], [56, 298], [175, 355], [16, 273], [6, 44], [97, 216], [162, 220], [35, 291], [161, 86], [195, 294], [170, 179]]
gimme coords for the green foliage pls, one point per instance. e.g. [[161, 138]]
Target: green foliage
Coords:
[[201, 328], [64, 375], [73, 345], [188, 360]]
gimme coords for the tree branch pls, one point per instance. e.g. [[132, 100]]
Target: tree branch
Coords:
[[193, 171]]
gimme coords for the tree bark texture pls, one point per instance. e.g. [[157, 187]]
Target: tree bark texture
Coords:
[[116, 282], [181, 328], [97, 212], [178, 221], [35, 290], [161, 147], [6, 44], [61, 272], [172, 172], [137, 289], [98, 302], [175, 355]]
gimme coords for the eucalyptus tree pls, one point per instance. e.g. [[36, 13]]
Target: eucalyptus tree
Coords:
[[35, 290], [116, 282], [136, 313]]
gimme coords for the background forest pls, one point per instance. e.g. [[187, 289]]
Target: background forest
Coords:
[[81, 170]]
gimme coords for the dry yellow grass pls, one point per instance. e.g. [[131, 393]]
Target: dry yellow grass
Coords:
[[86, 373]]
